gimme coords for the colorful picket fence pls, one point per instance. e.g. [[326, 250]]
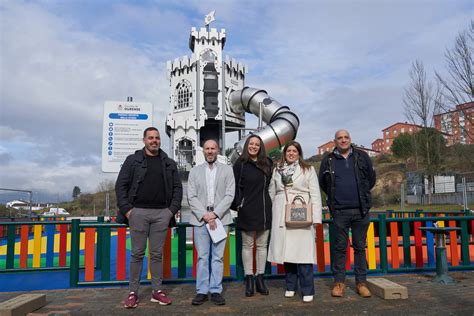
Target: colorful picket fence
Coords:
[[97, 253], [36, 245]]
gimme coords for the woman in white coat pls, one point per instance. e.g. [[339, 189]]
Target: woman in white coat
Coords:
[[295, 248]]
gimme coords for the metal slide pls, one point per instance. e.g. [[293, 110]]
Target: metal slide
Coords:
[[282, 124]]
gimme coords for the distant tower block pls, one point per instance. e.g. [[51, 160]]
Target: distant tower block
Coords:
[[200, 88]]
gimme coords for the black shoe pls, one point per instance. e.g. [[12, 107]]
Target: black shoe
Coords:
[[249, 285], [261, 287], [199, 299], [217, 299]]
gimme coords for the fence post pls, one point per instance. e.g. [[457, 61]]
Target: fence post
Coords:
[[239, 267], [383, 243], [464, 243], [464, 192], [406, 244], [98, 248], [402, 197], [11, 246], [74, 261], [181, 230], [105, 253]]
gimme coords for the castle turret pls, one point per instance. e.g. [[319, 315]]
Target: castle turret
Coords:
[[200, 88]]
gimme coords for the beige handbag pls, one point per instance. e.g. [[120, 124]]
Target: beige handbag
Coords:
[[298, 215]]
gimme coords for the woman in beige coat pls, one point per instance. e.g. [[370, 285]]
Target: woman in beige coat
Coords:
[[294, 247]]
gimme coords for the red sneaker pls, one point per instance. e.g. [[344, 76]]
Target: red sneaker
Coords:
[[131, 301], [160, 297]]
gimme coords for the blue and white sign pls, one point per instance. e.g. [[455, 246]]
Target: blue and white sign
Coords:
[[123, 126]]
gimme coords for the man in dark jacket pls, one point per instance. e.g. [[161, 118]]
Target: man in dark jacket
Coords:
[[346, 176], [149, 193]]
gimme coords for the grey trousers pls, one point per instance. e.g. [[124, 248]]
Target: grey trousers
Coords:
[[247, 250], [152, 225]]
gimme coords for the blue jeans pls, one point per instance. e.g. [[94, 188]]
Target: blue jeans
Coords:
[[301, 272], [206, 249], [342, 221]]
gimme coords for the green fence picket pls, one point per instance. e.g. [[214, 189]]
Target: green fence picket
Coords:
[[406, 244], [239, 267], [105, 253], [383, 243], [181, 232], [98, 248], [465, 243], [10, 264], [74, 260]]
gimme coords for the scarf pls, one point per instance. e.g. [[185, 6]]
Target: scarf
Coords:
[[286, 171]]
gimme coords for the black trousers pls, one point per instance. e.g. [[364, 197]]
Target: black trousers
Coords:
[[342, 221], [301, 272]]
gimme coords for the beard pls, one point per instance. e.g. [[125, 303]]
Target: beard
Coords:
[[153, 150], [211, 159]]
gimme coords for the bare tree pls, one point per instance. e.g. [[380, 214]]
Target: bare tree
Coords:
[[458, 86], [106, 186], [421, 100]]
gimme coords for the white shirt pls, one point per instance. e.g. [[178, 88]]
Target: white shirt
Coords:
[[211, 182]]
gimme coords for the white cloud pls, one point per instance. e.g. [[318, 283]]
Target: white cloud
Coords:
[[55, 80], [335, 63]]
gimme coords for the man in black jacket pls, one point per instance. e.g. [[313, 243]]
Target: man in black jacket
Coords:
[[346, 176], [149, 193]]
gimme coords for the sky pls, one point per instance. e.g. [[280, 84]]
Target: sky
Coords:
[[336, 64]]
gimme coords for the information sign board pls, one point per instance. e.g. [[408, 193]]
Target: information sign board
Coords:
[[123, 126]]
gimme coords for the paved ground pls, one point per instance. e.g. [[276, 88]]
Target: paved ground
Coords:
[[424, 298]]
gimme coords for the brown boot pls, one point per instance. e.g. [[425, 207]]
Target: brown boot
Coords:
[[338, 289], [363, 290]]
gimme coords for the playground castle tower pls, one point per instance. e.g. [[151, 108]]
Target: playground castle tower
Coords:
[[199, 88], [208, 99]]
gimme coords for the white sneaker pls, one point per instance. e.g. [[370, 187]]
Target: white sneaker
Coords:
[[289, 293], [308, 298]]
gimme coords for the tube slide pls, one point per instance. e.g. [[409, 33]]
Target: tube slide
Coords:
[[282, 124]]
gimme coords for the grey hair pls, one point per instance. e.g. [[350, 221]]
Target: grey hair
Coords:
[[341, 130]]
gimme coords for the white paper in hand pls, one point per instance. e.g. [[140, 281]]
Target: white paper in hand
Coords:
[[217, 234]]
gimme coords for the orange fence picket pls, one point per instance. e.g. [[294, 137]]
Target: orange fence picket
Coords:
[[89, 248], [453, 245], [24, 246], [394, 247]]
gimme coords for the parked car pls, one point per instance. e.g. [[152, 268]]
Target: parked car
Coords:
[[56, 211]]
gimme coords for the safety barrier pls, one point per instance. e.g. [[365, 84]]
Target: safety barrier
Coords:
[[98, 252], [36, 245]]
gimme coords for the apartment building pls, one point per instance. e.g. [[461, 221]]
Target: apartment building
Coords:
[[392, 132], [457, 124], [326, 147]]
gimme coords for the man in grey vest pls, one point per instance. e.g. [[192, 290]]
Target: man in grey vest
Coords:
[[211, 188]]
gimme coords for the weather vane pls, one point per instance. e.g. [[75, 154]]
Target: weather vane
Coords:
[[209, 18]]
